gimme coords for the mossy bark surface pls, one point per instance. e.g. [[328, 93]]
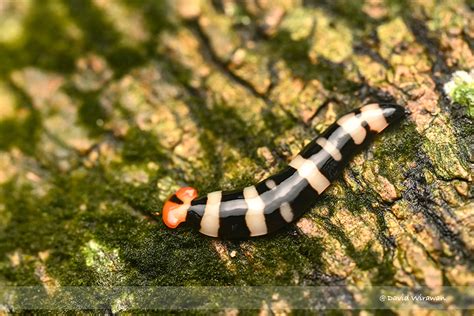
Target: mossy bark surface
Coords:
[[106, 108]]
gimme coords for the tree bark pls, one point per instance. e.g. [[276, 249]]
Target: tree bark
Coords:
[[109, 108]]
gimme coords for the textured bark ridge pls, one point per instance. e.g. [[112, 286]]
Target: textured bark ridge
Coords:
[[107, 107]]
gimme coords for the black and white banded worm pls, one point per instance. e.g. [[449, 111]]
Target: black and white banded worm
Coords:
[[280, 199]]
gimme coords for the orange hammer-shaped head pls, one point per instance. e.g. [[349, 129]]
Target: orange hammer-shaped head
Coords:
[[177, 206]]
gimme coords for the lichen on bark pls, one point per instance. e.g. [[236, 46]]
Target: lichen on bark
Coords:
[[106, 110]]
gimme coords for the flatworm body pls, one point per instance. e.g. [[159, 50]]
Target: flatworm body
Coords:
[[275, 202]]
